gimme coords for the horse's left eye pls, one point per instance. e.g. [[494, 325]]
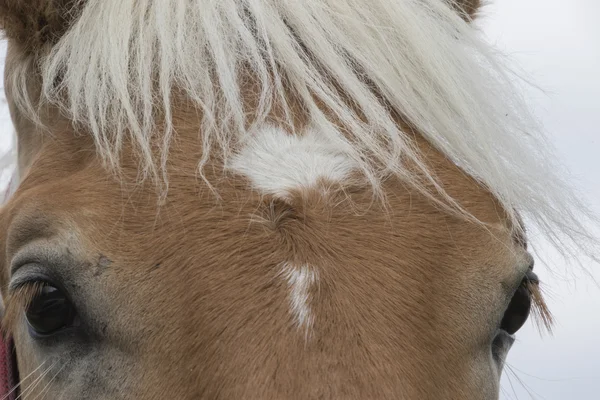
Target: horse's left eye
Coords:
[[49, 311]]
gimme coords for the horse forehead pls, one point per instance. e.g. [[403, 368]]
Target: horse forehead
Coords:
[[272, 175]]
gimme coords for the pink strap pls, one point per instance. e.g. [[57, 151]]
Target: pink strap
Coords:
[[8, 370]]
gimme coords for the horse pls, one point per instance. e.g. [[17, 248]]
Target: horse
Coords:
[[269, 199]]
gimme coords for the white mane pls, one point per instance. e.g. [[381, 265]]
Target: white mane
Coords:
[[122, 59]]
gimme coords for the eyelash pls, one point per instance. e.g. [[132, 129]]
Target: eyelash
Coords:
[[20, 297]]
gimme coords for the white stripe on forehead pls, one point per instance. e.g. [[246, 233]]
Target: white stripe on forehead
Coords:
[[278, 163], [300, 280]]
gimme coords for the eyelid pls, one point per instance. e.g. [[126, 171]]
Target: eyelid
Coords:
[[526, 264], [530, 260], [29, 254], [28, 273], [521, 269], [33, 261]]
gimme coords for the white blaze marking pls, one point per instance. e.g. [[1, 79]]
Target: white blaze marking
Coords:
[[300, 280], [277, 162]]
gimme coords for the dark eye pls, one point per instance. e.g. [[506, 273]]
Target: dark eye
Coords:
[[519, 307], [49, 311]]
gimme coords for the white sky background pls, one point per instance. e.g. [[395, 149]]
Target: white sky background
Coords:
[[558, 43]]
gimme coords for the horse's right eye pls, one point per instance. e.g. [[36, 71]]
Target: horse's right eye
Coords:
[[49, 311]]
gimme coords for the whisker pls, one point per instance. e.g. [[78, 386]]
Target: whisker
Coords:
[[23, 380], [520, 371], [46, 388], [532, 393], [512, 386], [36, 382]]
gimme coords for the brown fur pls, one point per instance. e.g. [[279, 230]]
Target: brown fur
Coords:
[[469, 7], [36, 23], [187, 301]]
